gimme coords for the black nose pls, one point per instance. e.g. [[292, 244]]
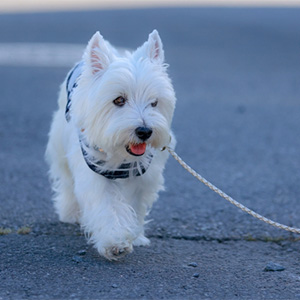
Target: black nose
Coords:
[[143, 133]]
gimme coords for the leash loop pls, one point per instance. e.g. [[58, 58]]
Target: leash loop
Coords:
[[230, 199]]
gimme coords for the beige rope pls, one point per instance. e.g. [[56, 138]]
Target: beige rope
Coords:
[[231, 200]]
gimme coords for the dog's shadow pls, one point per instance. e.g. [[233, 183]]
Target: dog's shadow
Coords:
[[69, 242]]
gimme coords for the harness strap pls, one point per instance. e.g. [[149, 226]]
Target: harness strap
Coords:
[[125, 170], [71, 85]]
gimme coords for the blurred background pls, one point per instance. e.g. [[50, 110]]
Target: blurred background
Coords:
[[56, 5], [235, 66]]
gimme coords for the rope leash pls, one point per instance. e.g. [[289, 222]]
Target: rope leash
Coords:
[[228, 198]]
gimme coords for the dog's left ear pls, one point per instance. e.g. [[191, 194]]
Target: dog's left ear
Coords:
[[97, 54], [154, 48]]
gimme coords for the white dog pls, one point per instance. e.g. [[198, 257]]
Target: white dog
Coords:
[[106, 142]]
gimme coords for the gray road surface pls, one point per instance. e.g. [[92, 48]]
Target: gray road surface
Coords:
[[236, 72]]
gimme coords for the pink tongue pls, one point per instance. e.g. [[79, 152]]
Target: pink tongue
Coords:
[[138, 149]]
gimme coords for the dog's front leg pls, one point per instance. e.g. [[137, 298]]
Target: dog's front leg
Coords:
[[107, 218]]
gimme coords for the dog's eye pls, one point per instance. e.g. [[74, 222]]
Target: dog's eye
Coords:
[[154, 104], [120, 101]]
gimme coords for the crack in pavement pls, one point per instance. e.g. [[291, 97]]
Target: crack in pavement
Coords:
[[196, 237]]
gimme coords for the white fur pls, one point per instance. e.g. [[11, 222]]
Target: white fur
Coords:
[[112, 212]]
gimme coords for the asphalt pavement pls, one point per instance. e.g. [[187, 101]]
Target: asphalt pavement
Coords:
[[236, 72]]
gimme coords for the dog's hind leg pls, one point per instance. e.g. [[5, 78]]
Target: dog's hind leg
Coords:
[[65, 202], [62, 182]]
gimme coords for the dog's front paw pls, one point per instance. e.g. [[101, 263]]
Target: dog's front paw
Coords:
[[117, 252]]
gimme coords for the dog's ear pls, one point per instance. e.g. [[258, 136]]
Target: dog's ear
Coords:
[[96, 55], [155, 48]]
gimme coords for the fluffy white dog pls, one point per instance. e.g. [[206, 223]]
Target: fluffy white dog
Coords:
[[106, 141]]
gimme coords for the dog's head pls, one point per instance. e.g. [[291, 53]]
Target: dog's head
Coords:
[[124, 103]]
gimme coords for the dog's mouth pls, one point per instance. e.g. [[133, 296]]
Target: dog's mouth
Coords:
[[136, 149]]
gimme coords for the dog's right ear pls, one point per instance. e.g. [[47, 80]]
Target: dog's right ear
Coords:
[[96, 55]]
